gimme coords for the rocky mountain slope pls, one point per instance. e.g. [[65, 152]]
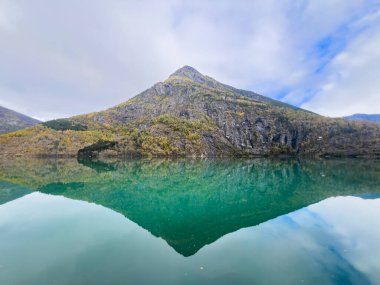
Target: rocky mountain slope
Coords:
[[364, 117], [11, 121], [191, 114]]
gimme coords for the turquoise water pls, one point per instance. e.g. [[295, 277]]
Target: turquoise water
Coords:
[[254, 221]]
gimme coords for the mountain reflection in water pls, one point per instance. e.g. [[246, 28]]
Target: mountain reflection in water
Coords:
[[192, 203]]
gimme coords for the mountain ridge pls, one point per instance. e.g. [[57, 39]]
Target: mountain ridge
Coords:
[[364, 117], [11, 121], [191, 114]]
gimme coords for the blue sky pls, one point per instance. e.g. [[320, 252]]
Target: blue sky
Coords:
[[62, 58]]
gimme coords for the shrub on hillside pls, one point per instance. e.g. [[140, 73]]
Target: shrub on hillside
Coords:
[[64, 125]]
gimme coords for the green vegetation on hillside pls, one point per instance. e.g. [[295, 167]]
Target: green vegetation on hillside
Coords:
[[92, 150], [64, 125]]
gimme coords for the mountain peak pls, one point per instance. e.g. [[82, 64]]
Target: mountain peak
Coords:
[[187, 71], [190, 73]]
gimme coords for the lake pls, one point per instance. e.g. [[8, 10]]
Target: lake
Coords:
[[190, 221]]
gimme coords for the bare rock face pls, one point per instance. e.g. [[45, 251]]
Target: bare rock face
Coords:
[[191, 114]]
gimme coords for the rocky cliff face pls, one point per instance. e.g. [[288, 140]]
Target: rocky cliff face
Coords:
[[11, 121], [194, 115]]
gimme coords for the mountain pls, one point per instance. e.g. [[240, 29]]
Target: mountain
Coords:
[[190, 114], [364, 117], [11, 121]]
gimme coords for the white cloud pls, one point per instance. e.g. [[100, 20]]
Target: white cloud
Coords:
[[61, 58], [9, 15], [349, 223], [352, 82]]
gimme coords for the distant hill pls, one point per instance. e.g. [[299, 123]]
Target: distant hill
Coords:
[[191, 114], [11, 121], [364, 117]]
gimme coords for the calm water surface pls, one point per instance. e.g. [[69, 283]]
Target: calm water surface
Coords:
[[190, 222]]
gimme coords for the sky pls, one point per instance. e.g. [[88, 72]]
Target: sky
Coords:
[[63, 58]]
